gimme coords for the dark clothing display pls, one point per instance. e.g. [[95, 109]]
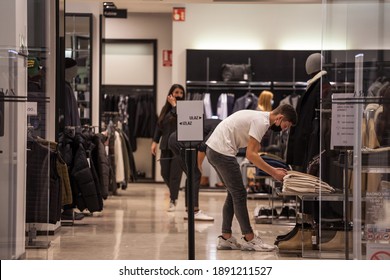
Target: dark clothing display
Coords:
[[138, 116], [103, 170], [43, 196], [76, 151], [70, 108], [305, 138], [86, 191], [248, 101], [307, 132]]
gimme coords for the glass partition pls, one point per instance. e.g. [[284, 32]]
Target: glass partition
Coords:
[[28, 195], [12, 153], [78, 45], [354, 222]]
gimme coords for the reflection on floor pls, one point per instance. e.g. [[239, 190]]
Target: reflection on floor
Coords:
[[136, 226]]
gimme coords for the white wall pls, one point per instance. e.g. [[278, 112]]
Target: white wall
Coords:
[[146, 26], [357, 26], [279, 27]]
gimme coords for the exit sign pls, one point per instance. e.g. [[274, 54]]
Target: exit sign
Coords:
[[179, 14]]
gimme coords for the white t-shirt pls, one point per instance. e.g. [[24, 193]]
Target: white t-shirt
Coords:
[[234, 131]]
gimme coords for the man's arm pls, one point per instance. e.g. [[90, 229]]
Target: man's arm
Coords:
[[252, 154]]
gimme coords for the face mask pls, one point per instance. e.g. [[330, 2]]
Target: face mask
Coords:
[[272, 103], [179, 98], [275, 128]]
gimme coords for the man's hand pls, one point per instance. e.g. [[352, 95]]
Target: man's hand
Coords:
[[279, 174]]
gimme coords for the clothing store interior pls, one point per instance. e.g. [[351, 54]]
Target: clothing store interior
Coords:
[[92, 158]]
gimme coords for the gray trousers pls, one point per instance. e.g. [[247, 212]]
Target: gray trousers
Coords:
[[229, 171]]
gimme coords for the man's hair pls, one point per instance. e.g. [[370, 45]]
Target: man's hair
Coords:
[[288, 112]]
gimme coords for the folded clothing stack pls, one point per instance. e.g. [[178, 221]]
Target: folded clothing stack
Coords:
[[299, 182], [274, 162]]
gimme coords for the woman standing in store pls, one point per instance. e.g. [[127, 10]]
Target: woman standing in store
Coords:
[[166, 125], [265, 101]]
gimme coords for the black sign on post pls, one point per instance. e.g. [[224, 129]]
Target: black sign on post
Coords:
[[190, 130]]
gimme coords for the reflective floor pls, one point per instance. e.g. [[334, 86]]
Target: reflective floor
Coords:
[[136, 226]]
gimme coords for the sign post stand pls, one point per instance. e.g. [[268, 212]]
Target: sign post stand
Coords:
[[189, 130]]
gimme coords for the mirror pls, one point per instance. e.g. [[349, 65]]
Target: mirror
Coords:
[[78, 45]]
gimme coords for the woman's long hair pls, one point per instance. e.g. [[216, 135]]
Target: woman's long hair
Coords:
[[264, 102], [167, 107]]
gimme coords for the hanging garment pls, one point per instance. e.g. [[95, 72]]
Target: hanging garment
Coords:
[[43, 191], [248, 101], [291, 99], [66, 189], [120, 168], [100, 159], [83, 180], [222, 110], [133, 168], [208, 112], [230, 103]]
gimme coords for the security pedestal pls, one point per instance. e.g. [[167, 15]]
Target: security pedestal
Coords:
[[190, 162]]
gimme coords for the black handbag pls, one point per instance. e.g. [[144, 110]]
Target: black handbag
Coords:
[[313, 168], [236, 72]]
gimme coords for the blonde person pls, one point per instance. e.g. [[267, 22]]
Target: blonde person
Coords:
[[265, 101]]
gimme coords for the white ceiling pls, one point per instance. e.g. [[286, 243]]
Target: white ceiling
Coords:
[[165, 6]]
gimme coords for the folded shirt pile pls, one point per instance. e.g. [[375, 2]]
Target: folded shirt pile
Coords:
[[298, 182]]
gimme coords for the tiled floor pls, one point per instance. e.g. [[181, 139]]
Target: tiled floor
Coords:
[[136, 226]]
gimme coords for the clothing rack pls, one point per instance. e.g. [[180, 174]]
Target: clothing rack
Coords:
[[126, 89]]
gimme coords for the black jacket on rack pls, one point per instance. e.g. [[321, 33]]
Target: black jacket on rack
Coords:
[[100, 160], [75, 150], [145, 118], [248, 101], [43, 196], [83, 180]]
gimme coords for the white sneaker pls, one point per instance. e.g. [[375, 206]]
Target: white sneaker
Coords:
[[97, 214], [228, 244], [200, 216], [172, 206], [256, 244]]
